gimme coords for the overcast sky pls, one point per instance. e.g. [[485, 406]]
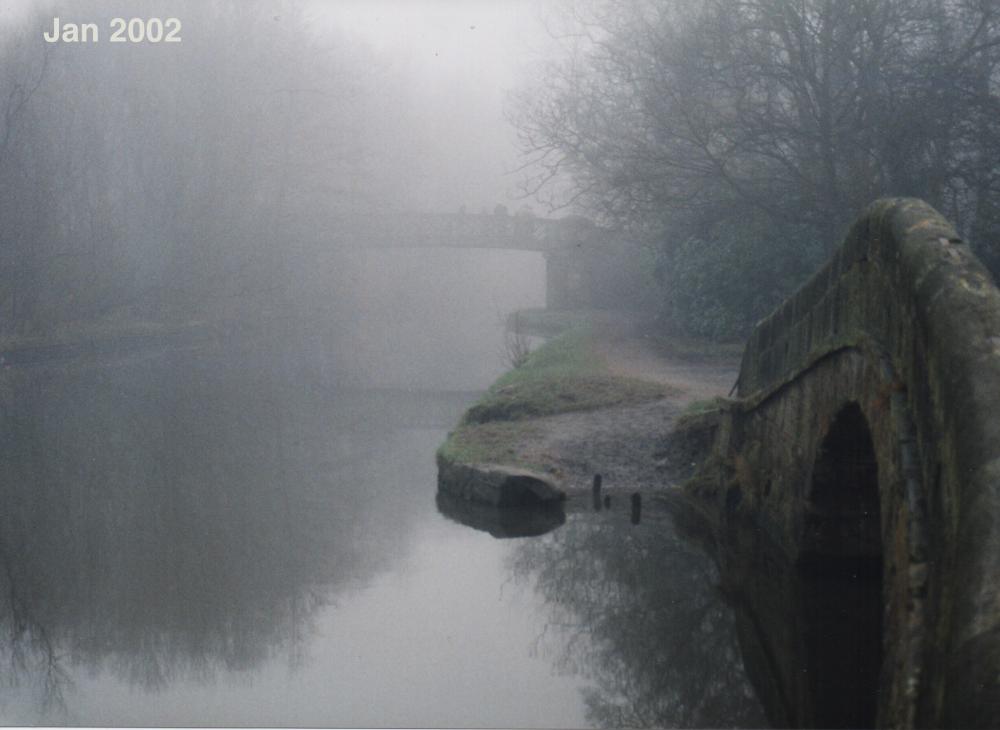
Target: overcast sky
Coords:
[[466, 56]]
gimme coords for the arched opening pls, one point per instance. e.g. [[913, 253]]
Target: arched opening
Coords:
[[840, 575]]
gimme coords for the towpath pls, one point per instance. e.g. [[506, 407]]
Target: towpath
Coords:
[[625, 444]]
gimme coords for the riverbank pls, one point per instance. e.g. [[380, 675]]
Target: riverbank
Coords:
[[551, 417]]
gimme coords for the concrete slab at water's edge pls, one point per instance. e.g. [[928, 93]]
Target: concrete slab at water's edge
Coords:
[[496, 484]]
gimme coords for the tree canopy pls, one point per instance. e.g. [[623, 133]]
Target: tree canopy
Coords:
[[680, 120], [185, 181]]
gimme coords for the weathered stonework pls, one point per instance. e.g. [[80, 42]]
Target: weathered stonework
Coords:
[[496, 485], [883, 374]]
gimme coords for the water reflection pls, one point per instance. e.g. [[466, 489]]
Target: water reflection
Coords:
[[635, 611], [176, 516], [177, 519], [503, 522]]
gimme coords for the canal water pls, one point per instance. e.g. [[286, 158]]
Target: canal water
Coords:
[[212, 536]]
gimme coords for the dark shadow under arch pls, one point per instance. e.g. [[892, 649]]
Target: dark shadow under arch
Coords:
[[840, 575]]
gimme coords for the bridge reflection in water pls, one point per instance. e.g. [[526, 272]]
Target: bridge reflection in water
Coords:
[[852, 485], [203, 541], [811, 628], [637, 611]]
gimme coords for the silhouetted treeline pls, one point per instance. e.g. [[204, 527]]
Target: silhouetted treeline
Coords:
[[740, 138], [182, 181]]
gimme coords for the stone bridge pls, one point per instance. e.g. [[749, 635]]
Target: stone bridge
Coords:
[[586, 266], [406, 229], [853, 490]]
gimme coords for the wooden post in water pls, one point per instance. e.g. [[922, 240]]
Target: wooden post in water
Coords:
[[636, 508], [597, 492]]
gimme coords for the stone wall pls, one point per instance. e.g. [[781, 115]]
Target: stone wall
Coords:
[[898, 336]]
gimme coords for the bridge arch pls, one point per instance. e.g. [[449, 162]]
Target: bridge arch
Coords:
[[903, 326], [842, 506], [839, 575]]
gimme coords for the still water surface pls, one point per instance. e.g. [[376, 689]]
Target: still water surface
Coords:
[[434, 638], [207, 537]]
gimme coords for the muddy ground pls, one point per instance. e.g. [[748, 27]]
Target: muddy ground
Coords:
[[625, 444]]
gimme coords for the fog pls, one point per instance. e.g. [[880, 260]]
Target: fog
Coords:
[[462, 60], [257, 258], [228, 357], [220, 178]]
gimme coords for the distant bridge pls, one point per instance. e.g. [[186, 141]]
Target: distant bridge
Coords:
[[586, 266], [462, 230], [855, 485]]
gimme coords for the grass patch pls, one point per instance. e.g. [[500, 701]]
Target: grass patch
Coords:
[[698, 407], [547, 322], [489, 443], [561, 394], [563, 375], [568, 354]]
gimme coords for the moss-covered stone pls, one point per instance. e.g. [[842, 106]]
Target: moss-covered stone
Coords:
[[496, 485], [902, 324]]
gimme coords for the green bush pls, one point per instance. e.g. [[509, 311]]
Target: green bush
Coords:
[[718, 285]]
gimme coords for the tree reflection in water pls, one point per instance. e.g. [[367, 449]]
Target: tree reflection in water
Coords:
[[173, 518], [636, 611]]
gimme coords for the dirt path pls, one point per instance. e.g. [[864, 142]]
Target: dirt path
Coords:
[[621, 443], [637, 357]]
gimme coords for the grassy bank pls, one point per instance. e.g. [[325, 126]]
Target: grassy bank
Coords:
[[563, 375], [547, 322], [553, 322], [674, 346]]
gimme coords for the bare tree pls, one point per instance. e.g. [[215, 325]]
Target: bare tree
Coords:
[[516, 344], [803, 111], [733, 132], [151, 190]]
